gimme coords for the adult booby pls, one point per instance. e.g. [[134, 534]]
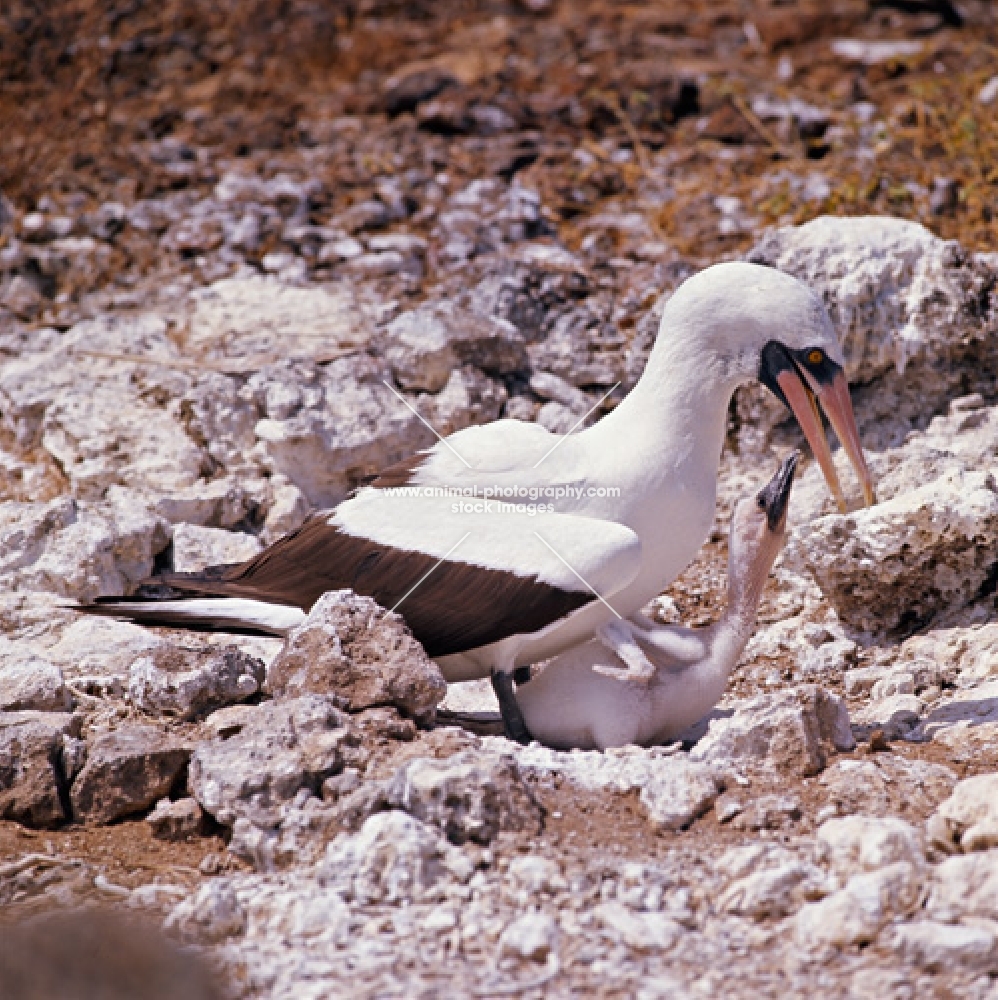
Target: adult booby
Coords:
[[587, 698], [598, 522]]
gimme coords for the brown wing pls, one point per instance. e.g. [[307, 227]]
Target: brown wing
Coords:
[[456, 607]]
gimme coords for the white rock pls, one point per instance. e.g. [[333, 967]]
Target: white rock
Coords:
[[271, 752], [552, 387], [77, 550], [353, 425], [907, 558], [211, 915], [833, 657], [792, 730], [469, 397], [965, 886], [943, 947], [965, 720], [425, 345], [262, 317], [644, 932], [172, 680], [536, 874], [772, 892], [673, 789], [896, 715], [866, 843], [196, 546], [220, 503], [393, 858], [33, 684], [679, 793], [288, 510], [988, 92], [871, 53], [874, 786], [558, 418], [857, 912], [469, 796], [105, 420], [532, 936], [969, 817], [377, 265]]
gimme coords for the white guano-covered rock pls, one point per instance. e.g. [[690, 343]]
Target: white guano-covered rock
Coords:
[[857, 912], [101, 412], [188, 683], [329, 427], [965, 886], [792, 731], [938, 947], [75, 549], [212, 914], [264, 755], [469, 796], [908, 558], [424, 346], [892, 288], [674, 789], [968, 819], [256, 317], [393, 858], [865, 843], [351, 647], [196, 546], [30, 683]]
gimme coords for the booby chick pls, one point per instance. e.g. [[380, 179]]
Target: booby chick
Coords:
[[487, 587], [587, 698]]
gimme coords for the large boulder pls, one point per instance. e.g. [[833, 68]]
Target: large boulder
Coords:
[[350, 647]]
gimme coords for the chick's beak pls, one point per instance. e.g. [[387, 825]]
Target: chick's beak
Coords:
[[834, 398], [775, 495]]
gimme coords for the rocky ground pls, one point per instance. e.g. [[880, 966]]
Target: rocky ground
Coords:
[[223, 229]]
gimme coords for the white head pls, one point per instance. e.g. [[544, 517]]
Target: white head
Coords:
[[758, 531], [744, 321]]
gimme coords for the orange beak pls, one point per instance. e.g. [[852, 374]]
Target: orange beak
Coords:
[[835, 401]]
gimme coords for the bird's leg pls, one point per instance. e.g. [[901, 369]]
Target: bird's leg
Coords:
[[619, 637], [512, 717]]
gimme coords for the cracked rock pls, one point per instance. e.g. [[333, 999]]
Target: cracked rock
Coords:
[[180, 820], [189, 683], [33, 684], [126, 772], [350, 647], [424, 346], [77, 550], [968, 819], [904, 560], [329, 427], [264, 755], [792, 731], [196, 546], [469, 796], [32, 780], [393, 858]]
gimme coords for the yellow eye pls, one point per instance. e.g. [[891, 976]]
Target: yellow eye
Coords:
[[816, 357]]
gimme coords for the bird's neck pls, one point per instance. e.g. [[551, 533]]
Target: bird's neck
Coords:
[[726, 639], [679, 405]]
